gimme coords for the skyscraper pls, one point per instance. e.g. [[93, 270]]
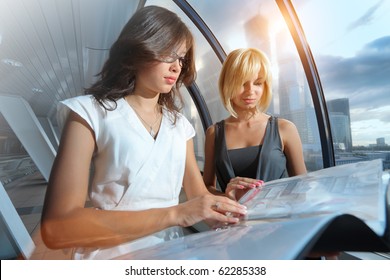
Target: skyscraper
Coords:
[[340, 122]]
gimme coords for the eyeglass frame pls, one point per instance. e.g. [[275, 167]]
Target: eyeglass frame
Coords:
[[172, 58]]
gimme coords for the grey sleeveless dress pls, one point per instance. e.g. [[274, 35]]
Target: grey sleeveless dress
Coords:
[[271, 161]]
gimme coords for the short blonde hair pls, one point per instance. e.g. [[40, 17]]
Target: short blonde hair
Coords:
[[239, 66]]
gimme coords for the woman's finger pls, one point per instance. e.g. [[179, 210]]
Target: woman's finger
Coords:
[[243, 182], [229, 206]]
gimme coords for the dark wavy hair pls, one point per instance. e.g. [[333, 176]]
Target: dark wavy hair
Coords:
[[151, 32]]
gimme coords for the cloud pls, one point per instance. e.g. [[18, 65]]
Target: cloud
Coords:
[[378, 45], [365, 19], [364, 78]]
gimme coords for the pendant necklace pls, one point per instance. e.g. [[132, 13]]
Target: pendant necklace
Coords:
[[151, 130]]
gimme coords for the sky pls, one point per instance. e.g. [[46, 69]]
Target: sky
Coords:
[[350, 41]]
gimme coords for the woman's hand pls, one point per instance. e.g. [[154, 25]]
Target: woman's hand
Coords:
[[209, 207], [238, 186]]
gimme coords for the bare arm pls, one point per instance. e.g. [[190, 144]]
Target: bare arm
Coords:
[[292, 148], [209, 177]]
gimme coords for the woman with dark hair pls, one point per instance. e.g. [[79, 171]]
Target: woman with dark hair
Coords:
[[128, 126]]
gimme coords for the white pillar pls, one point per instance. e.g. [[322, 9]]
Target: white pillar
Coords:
[[27, 128], [50, 131], [14, 236]]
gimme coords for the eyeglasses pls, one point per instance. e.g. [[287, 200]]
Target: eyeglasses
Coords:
[[172, 58]]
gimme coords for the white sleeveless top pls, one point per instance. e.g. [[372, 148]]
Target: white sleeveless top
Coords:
[[132, 170]]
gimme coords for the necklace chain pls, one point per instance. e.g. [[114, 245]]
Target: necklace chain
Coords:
[[151, 130]]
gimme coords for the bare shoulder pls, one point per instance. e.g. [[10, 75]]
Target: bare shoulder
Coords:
[[210, 131], [286, 125], [288, 133]]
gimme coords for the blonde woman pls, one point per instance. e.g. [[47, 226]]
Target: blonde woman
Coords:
[[250, 146]]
